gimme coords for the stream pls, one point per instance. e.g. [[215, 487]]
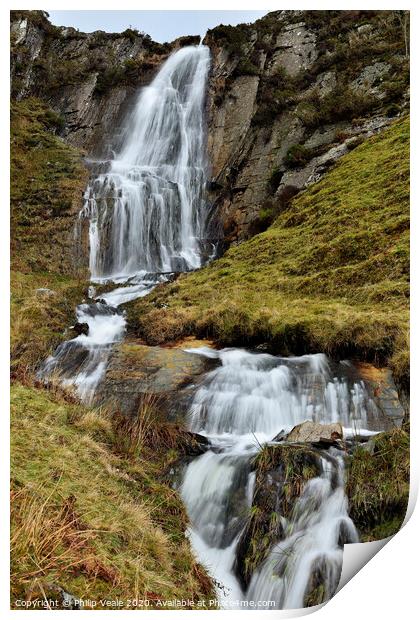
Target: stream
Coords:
[[147, 213], [242, 405]]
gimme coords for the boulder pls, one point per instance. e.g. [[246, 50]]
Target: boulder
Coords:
[[192, 444], [313, 432], [135, 369]]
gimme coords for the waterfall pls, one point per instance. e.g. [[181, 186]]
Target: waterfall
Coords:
[[147, 212], [319, 527], [255, 393], [242, 404]]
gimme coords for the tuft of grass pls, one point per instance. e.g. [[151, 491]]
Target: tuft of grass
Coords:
[[86, 516], [378, 484], [148, 434], [134, 434], [47, 537], [330, 274]]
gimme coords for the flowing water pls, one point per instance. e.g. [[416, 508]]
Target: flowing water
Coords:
[[146, 213], [241, 405], [319, 526]]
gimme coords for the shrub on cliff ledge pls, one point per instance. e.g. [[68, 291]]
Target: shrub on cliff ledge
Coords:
[[297, 156], [231, 37]]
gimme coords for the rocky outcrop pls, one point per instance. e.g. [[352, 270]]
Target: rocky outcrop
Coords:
[[89, 79], [274, 496], [387, 412], [320, 82], [316, 81], [135, 369]]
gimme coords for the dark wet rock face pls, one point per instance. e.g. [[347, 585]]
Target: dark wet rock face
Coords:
[[135, 369], [89, 79], [80, 329], [382, 389], [322, 83]]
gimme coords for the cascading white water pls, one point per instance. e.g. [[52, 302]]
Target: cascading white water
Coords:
[[82, 361], [147, 212], [257, 393], [241, 405], [319, 526]]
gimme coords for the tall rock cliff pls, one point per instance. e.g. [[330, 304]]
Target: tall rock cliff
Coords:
[[291, 94], [90, 79], [288, 95]]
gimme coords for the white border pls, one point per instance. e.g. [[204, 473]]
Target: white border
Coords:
[[386, 587]]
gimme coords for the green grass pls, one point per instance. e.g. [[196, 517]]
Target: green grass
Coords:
[[38, 319], [88, 516], [378, 485], [331, 273], [47, 180]]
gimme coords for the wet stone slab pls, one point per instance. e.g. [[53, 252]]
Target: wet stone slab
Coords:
[[381, 388], [135, 369]]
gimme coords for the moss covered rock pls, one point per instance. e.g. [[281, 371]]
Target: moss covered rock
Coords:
[[136, 369], [281, 472], [378, 485]]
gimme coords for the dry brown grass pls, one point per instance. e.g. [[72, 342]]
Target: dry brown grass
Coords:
[[133, 434], [88, 517], [48, 538]]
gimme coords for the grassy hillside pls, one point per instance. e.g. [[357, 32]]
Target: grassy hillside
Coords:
[[88, 511], [331, 273], [47, 180], [91, 512]]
